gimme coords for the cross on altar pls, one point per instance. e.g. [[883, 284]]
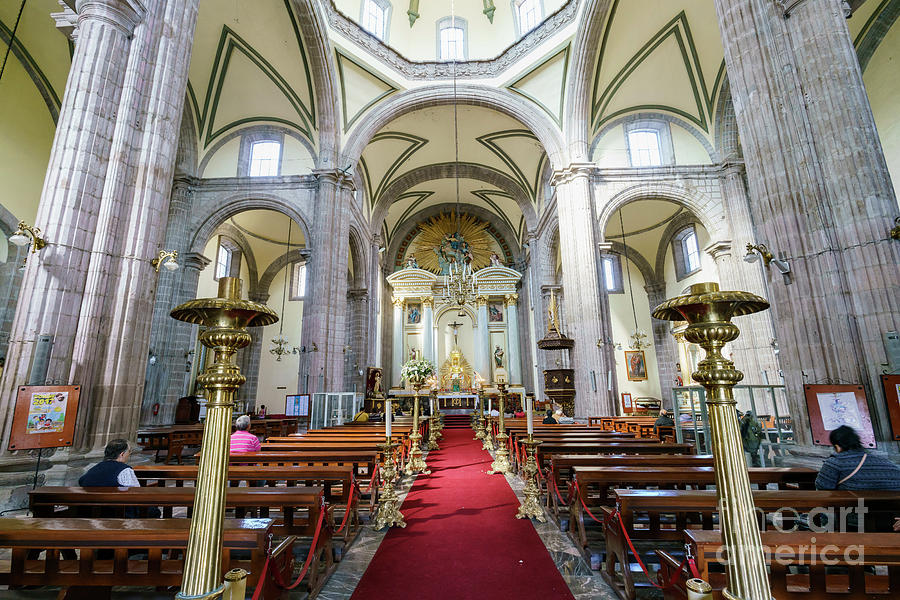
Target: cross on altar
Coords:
[[455, 327]]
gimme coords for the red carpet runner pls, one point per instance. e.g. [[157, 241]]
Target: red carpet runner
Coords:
[[462, 539]]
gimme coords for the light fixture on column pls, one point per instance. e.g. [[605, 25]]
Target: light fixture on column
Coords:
[[26, 234], [895, 232], [280, 345], [757, 251], [169, 256]]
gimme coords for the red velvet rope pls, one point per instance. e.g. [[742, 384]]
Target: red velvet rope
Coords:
[[577, 490], [309, 558], [353, 495], [373, 478], [687, 561]]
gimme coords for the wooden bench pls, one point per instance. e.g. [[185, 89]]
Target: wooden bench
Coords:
[[548, 449], [363, 462], [639, 513], [89, 556], [837, 565]]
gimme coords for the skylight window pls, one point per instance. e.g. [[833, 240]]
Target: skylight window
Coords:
[[375, 18], [265, 159], [643, 147]]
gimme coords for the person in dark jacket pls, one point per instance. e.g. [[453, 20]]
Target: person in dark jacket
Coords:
[[549, 420], [751, 435], [115, 472], [852, 468], [663, 420]]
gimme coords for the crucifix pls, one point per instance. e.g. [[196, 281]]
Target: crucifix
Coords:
[[455, 327]]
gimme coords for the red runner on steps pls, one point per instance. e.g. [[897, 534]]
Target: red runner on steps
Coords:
[[462, 539]]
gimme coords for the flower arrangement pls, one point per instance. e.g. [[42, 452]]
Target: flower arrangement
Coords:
[[416, 370]]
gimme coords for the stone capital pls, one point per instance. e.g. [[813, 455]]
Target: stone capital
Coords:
[[66, 21], [195, 260], [719, 249], [572, 172], [398, 302], [337, 177], [261, 298], [511, 299], [604, 247], [428, 302], [481, 301], [124, 15]]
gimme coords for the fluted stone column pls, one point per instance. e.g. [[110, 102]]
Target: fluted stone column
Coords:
[[663, 343], [820, 191], [483, 340], [357, 338], [428, 329], [325, 311], [11, 282], [397, 350], [587, 306], [512, 335], [250, 357], [71, 197]]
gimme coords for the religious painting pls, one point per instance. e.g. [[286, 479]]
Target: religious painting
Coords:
[[495, 312], [831, 406], [413, 313], [447, 243], [891, 386], [374, 382], [635, 365], [627, 404]]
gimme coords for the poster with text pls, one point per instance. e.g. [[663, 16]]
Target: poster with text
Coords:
[[47, 412], [44, 416]]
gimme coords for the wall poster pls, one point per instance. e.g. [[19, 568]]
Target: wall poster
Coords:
[[44, 416], [627, 405], [831, 406]]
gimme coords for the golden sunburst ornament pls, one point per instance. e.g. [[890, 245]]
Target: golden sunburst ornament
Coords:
[[441, 241]]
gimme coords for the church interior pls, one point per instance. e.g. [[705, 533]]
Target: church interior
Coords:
[[411, 299]]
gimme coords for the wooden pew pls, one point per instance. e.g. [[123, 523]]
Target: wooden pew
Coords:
[[108, 556], [362, 461], [838, 565], [548, 449], [698, 508]]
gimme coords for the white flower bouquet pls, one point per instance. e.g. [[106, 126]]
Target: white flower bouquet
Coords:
[[416, 371]]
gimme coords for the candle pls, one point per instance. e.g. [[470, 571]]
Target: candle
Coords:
[[387, 419], [490, 400], [529, 415]]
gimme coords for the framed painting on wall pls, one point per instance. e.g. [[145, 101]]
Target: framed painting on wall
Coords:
[[413, 313], [627, 405], [831, 406], [635, 365], [495, 312], [891, 386]]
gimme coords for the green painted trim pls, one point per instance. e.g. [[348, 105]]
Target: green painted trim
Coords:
[[602, 53], [258, 119], [349, 123], [868, 25], [488, 140], [421, 197], [485, 196], [309, 82], [367, 181], [192, 96], [557, 116], [384, 234], [20, 47], [673, 27], [537, 176], [229, 41], [521, 229], [416, 143]]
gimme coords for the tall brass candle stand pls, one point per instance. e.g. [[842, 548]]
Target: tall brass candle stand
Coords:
[[439, 421], [416, 464], [433, 424], [708, 313], [531, 506], [479, 417], [226, 318], [388, 513], [501, 459]]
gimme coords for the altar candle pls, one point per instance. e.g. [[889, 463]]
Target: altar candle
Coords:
[[529, 415], [387, 419], [490, 400]]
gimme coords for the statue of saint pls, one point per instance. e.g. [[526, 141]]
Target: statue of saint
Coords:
[[498, 356], [411, 262], [495, 260], [553, 314]]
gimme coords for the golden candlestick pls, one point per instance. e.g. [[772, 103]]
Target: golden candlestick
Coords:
[[226, 318], [479, 417], [416, 464], [501, 459], [433, 426], [388, 513], [708, 313], [531, 506]]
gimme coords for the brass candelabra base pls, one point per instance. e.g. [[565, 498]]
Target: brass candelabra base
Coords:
[[488, 443], [531, 506], [501, 459], [388, 513], [433, 435], [415, 464], [479, 428]]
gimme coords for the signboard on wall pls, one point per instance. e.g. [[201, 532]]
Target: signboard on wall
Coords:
[[44, 416], [296, 405], [831, 406]]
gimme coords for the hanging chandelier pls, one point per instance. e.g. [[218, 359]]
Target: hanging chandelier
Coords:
[[460, 285], [638, 337], [280, 345]]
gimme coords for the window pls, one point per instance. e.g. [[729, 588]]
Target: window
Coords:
[[223, 260], [612, 273], [265, 159], [451, 39], [528, 14], [298, 281], [375, 18], [643, 147], [686, 251]]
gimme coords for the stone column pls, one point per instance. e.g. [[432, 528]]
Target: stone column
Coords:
[[428, 329], [357, 338], [663, 343], [71, 197], [397, 350], [325, 311], [483, 340], [587, 306], [11, 282], [513, 339], [821, 195], [249, 360]]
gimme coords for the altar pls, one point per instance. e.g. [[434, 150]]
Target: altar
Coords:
[[451, 401]]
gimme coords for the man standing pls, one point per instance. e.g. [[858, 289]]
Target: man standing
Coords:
[[751, 434]]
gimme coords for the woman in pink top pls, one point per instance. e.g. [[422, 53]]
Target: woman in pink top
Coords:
[[242, 440]]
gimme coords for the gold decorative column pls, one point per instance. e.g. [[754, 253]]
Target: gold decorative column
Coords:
[[416, 464], [226, 318], [501, 459], [433, 422], [708, 313]]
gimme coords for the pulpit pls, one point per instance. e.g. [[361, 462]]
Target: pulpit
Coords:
[[559, 386]]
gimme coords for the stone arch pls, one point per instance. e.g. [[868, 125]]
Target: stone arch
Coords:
[[240, 240], [671, 119], [283, 260], [448, 171], [674, 226], [470, 95], [440, 312], [647, 272], [508, 235], [186, 161], [877, 31], [238, 204], [577, 118], [727, 137], [357, 251], [708, 211], [552, 248]]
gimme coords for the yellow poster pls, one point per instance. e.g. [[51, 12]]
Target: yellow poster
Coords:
[[47, 412]]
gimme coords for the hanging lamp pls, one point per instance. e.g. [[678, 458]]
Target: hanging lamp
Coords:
[[280, 344], [638, 337]]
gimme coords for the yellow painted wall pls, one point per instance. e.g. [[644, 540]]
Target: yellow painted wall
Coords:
[[882, 79], [223, 163], [688, 149]]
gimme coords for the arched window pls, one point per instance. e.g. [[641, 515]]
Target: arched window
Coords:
[[265, 158], [527, 15], [228, 259], [375, 17], [686, 251], [452, 39], [298, 281], [612, 273], [643, 148]]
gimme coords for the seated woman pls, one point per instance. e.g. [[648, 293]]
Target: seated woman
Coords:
[[361, 417], [519, 414], [549, 420]]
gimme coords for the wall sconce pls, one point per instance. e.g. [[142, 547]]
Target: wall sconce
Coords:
[[755, 251], [26, 234], [895, 232], [170, 263], [609, 342], [304, 350]]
